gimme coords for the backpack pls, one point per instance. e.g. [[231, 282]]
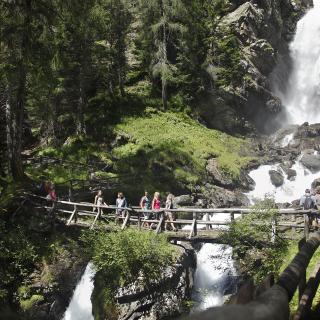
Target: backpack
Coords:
[[308, 203]]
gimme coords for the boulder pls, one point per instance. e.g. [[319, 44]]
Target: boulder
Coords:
[[276, 178], [311, 162], [219, 197], [315, 183], [217, 176], [291, 174], [183, 200]]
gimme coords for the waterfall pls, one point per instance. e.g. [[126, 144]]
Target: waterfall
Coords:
[[289, 191], [80, 307], [215, 276], [301, 97]]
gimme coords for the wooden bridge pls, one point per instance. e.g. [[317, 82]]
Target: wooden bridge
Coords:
[[269, 300], [200, 226]]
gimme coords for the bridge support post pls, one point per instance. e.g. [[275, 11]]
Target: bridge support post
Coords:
[[232, 216]]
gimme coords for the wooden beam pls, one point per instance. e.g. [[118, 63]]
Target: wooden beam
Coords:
[[126, 220], [96, 218], [74, 212], [159, 226]]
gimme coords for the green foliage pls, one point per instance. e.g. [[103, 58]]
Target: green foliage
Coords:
[[251, 239], [27, 304], [121, 257]]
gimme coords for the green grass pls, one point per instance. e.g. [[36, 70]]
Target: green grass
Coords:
[[176, 137]]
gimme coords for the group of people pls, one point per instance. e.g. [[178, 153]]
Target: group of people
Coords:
[[311, 201], [154, 206], [146, 204]]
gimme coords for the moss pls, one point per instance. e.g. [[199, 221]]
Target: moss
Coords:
[[27, 304]]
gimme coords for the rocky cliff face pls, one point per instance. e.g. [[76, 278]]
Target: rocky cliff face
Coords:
[[160, 300], [263, 29]]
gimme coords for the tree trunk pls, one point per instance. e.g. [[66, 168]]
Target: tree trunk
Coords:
[[80, 126], [164, 61]]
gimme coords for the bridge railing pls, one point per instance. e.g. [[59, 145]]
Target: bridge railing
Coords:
[[200, 216]]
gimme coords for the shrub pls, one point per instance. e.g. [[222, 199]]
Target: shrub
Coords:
[[123, 256], [251, 239]]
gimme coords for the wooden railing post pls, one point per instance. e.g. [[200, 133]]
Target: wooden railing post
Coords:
[[302, 283], [306, 226], [207, 218], [159, 226], [139, 221], [193, 231], [74, 212], [232, 216], [273, 229], [96, 217], [126, 220]]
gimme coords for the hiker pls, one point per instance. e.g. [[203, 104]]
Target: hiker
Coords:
[[121, 202], [145, 204], [52, 193], [98, 201], [156, 204], [307, 203], [168, 214], [316, 199]]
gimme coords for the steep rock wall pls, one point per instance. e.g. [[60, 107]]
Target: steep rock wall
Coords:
[[263, 29]]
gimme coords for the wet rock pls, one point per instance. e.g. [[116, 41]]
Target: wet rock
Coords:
[[291, 174], [183, 200], [311, 162], [219, 197], [276, 178], [315, 183], [217, 176]]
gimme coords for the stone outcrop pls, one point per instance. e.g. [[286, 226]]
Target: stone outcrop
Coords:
[[311, 162], [162, 299], [263, 30]]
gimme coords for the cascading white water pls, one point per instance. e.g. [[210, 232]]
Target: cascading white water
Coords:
[[289, 191], [80, 307], [302, 95], [214, 277]]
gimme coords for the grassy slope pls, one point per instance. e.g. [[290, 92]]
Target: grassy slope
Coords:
[[159, 150]]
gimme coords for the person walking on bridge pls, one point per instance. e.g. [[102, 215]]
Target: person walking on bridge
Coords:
[[98, 201], [145, 204], [307, 203], [121, 202], [168, 214], [156, 204]]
